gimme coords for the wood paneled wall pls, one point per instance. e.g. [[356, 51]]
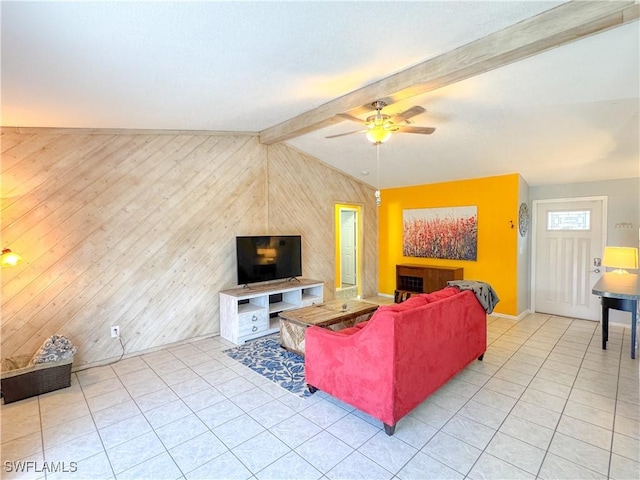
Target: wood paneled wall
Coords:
[[302, 197], [137, 230]]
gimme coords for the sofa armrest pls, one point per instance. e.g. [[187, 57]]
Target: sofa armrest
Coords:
[[356, 368]]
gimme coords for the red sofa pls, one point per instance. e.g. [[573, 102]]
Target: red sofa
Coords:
[[388, 365]]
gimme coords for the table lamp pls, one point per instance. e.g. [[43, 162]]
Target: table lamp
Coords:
[[620, 258]]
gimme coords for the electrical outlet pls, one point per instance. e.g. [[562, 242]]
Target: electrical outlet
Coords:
[[115, 331]]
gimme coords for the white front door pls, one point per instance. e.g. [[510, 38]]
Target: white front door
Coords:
[[348, 246], [569, 240]]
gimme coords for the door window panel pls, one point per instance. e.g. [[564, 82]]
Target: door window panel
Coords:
[[569, 220]]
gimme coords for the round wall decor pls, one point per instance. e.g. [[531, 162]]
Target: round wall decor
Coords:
[[523, 219]]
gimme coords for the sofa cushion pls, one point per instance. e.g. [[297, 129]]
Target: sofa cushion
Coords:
[[351, 330], [412, 302], [441, 294], [348, 331]]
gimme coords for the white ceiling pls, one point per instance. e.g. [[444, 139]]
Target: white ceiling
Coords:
[[569, 114]]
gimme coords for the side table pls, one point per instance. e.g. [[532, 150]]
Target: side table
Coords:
[[620, 292]]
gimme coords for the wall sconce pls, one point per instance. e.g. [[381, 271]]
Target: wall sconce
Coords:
[[9, 258], [620, 258]]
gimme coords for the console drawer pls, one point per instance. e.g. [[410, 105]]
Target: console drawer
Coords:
[[254, 322]]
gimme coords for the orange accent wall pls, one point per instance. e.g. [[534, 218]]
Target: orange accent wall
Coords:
[[497, 202]]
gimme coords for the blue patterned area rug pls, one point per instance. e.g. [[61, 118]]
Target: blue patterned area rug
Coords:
[[266, 357]]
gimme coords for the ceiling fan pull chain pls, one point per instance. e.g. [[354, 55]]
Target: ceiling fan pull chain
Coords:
[[378, 195]]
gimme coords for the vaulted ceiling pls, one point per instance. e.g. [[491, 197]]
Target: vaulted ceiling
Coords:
[[546, 89]]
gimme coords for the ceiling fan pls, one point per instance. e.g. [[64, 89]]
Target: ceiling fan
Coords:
[[380, 126]]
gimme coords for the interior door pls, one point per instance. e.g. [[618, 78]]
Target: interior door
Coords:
[[568, 245], [348, 246]]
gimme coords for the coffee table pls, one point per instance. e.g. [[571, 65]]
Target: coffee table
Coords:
[[335, 315]]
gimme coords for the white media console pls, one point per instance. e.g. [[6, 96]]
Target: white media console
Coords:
[[252, 311]]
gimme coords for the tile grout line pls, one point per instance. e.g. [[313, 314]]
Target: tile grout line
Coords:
[[44, 458], [117, 376], [615, 408], [167, 450], [104, 447], [555, 430], [483, 450], [230, 450], [518, 399], [470, 398], [513, 329]]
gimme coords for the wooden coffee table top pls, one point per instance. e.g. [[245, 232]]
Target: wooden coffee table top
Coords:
[[328, 313]]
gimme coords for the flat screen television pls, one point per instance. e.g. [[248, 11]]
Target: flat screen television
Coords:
[[268, 257]]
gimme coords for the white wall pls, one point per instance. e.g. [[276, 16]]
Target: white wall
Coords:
[[524, 253], [623, 213]]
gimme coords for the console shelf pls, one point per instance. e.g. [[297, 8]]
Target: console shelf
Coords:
[[251, 312], [412, 278], [281, 307], [248, 308]]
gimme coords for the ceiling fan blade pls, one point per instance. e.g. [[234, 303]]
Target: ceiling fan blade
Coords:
[[410, 129], [346, 116], [407, 114], [347, 133]]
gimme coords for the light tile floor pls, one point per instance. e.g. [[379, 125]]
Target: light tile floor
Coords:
[[547, 402]]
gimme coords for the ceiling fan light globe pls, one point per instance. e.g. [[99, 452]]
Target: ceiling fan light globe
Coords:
[[378, 134]]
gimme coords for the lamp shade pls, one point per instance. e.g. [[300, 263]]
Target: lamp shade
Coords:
[[620, 258], [9, 259]]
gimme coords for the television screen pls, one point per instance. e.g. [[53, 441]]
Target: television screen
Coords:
[[268, 257]]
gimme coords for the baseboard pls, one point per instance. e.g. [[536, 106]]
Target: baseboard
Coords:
[[109, 361], [518, 317], [387, 295], [528, 312]]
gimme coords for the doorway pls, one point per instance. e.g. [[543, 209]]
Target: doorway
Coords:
[[347, 250], [569, 237]]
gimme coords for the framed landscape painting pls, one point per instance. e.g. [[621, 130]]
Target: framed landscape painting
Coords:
[[450, 233]]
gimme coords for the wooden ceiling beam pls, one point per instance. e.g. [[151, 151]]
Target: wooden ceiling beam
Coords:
[[558, 26]]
